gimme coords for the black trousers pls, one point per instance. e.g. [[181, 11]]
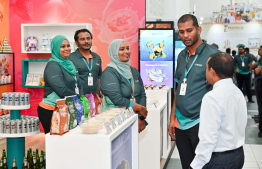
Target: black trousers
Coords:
[[186, 141], [258, 89], [246, 79], [45, 117], [230, 160]]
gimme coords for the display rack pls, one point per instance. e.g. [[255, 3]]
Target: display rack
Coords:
[[36, 66], [15, 143], [66, 29], [13, 77]]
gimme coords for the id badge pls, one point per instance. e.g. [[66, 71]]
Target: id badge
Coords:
[[183, 89], [76, 89], [90, 80], [243, 64]]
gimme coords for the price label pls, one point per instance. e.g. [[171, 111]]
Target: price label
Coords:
[[112, 121], [123, 116], [118, 118], [131, 110], [127, 113], [108, 128]]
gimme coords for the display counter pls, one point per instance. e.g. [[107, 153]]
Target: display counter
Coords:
[[163, 96], [74, 149], [153, 140]]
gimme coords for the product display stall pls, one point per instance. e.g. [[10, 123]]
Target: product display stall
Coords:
[[119, 149]]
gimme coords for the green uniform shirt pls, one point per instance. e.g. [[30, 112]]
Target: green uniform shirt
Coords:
[[76, 58], [244, 70], [259, 62], [188, 105], [119, 90], [58, 80]]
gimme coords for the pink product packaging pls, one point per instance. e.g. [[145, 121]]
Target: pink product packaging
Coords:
[[91, 100]]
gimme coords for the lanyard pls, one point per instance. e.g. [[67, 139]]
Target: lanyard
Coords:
[[187, 71], [132, 84], [90, 69], [243, 59], [75, 79]]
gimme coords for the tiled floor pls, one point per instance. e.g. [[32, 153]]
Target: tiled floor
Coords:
[[252, 147]]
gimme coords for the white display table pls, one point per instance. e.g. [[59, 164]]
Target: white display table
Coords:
[[152, 139], [97, 151], [163, 96]]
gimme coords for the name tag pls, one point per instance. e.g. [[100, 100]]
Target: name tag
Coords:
[[183, 89], [243, 64], [76, 89], [90, 80]]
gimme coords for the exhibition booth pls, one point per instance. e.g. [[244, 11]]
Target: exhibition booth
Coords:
[[104, 139]]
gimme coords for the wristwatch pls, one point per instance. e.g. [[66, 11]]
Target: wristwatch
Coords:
[[141, 117]]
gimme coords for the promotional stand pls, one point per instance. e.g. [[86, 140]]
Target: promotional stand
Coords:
[[119, 149], [16, 142]]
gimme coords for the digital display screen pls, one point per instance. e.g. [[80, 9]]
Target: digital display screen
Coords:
[[156, 53]]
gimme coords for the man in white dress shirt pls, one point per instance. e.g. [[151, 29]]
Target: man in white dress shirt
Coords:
[[223, 119]]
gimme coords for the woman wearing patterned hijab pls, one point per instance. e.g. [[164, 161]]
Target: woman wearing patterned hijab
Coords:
[[61, 79], [121, 84]]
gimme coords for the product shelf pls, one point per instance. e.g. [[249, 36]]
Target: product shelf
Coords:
[[6, 84], [5, 107], [252, 22], [19, 135], [34, 87]]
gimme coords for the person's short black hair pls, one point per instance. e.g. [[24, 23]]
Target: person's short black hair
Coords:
[[228, 50], [222, 63], [247, 49], [187, 18], [234, 52], [82, 30]]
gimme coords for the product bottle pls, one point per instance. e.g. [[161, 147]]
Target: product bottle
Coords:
[[1, 164], [41, 164], [25, 165], [34, 166], [14, 164], [44, 159], [29, 158], [37, 157], [5, 164], [3, 154]]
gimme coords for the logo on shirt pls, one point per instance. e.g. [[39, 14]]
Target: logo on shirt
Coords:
[[198, 65], [97, 64], [111, 83], [137, 81]]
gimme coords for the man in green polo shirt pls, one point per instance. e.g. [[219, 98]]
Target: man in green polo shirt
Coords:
[[243, 63], [87, 63], [191, 87]]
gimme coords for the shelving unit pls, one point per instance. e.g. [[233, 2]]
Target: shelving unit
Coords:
[[252, 22], [15, 143], [36, 66], [66, 29], [13, 76]]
